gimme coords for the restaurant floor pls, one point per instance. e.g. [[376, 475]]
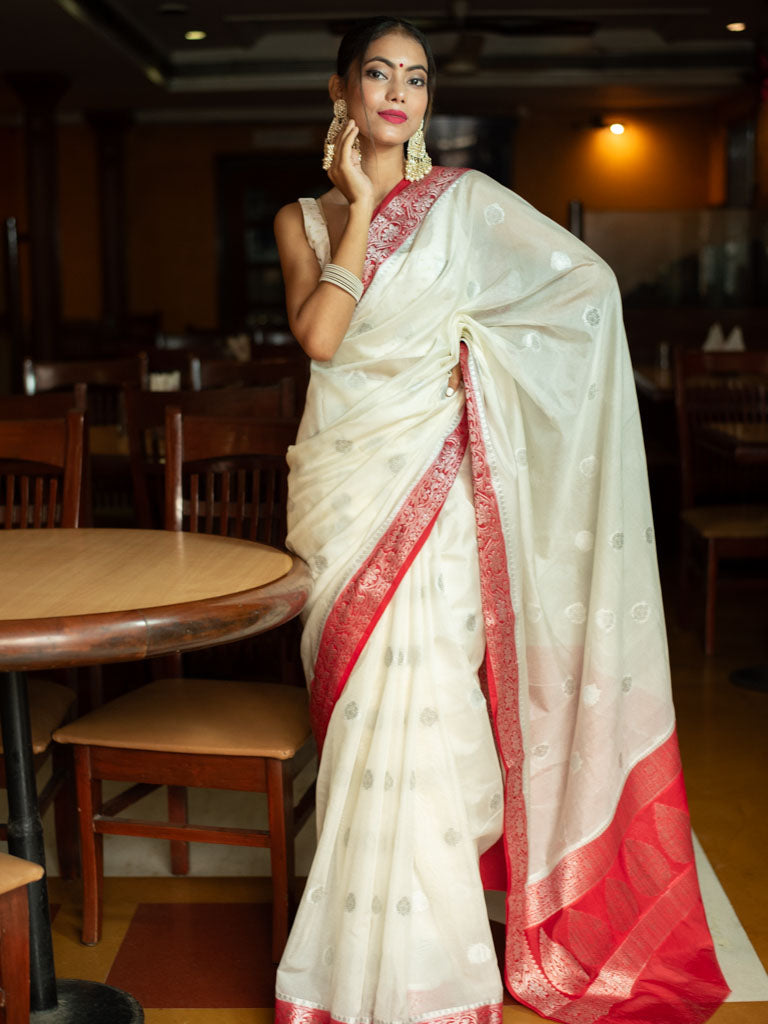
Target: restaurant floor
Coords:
[[195, 950]]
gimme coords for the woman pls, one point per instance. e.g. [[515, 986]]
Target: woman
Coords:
[[484, 642]]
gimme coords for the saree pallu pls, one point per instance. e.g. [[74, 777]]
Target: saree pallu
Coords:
[[485, 643]]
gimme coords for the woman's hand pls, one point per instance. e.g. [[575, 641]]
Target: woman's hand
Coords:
[[454, 381], [346, 171]]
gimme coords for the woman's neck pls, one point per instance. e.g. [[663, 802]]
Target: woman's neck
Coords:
[[384, 167]]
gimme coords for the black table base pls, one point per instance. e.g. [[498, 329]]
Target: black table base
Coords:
[[88, 1002]]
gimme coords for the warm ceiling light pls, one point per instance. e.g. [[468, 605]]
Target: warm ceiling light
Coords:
[[195, 34], [617, 128], [736, 26]]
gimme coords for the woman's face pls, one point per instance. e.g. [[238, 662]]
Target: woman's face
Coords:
[[390, 99]]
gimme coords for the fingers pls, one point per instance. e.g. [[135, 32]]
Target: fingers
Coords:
[[345, 158], [454, 381], [348, 138]]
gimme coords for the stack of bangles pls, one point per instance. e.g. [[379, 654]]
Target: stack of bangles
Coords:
[[344, 279]]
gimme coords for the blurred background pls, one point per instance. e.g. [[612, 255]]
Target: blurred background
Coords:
[[146, 146]]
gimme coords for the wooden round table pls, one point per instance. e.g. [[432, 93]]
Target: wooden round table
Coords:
[[83, 597]]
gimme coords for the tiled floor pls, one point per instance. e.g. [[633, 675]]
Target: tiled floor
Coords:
[[196, 950]]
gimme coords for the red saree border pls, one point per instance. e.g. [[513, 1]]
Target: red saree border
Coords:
[[501, 664], [366, 595], [402, 184], [400, 214], [295, 1013], [581, 869]]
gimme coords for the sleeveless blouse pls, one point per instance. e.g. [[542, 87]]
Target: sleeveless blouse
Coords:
[[316, 230]]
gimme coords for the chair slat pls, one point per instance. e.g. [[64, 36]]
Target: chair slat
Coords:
[[52, 495], [224, 504], [209, 499], [240, 502], [194, 502], [38, 502]]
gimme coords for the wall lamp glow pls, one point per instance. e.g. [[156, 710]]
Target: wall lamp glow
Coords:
[[736, 26], [194, 35], [616, 127]]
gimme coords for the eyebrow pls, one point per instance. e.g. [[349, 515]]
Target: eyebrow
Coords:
[[391, 64]]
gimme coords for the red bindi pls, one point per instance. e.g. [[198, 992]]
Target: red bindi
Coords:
[[401, 65]]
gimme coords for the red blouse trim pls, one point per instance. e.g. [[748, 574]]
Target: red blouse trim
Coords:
[[365, 597], [401, 213]]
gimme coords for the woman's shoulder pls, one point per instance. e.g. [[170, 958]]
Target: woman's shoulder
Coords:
[[288, 215]]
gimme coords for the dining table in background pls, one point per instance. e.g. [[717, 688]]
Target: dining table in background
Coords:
[[92, 596]]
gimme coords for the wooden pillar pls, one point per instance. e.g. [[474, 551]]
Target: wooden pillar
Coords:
[[109, 127], [40, 93]]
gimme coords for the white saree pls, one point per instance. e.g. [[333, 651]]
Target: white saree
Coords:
[[485, 642]]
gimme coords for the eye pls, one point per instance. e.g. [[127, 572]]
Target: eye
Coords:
[[420, 82], [375, 73]]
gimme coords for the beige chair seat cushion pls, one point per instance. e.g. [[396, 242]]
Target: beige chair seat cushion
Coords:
[[15, 872], [201, 716], [729, 521], [49, 704]]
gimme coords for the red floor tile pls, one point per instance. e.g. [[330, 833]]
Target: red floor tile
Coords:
[[202, 955]]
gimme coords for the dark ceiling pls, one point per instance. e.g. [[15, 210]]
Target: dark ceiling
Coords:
[[271, 59]]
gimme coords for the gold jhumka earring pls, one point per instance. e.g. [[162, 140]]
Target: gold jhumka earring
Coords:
[[417, 161], [336, 127]]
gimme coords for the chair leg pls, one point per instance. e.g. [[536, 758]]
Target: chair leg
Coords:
[[711, 591], [65, 812], [91, 846], [14, 955], [177, 814], [280, 803]]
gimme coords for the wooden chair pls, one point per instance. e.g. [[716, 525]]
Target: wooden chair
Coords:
[[724, 507], [177, 732], [40, 486], [44, 405], [228, 373], [15, 875], [105, 379], [107, 484], [53, 405], [145, 415], [41, 465]]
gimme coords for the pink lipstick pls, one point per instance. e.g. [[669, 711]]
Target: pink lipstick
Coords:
[[393, 116]]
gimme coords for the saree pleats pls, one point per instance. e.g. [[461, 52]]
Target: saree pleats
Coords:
[[485, 643], [410, 792]]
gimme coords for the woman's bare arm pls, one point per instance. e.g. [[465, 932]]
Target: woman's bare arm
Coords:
[[319, 313]]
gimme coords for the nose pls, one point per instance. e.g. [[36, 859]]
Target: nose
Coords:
[[396, 92]]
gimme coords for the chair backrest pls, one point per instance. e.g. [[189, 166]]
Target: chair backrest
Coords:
[[228, 373], [41, 467], [43, 406], [711, 388], [227, 475], [105, 379], [145, 415]]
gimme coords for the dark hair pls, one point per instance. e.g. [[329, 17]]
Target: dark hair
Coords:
[[356, 41]]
